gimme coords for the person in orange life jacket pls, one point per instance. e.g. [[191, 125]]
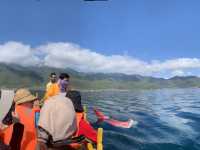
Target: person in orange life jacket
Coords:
[[84, 127], [7, 125], [52, 87], [11, 132], [3, 110], [26, 105], [53, 79]]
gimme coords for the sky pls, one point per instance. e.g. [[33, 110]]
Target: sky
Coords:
[[159, 38]]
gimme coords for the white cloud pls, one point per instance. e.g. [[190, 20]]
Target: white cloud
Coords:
[[70, 55], [15, 52], [179, 63], [178, 73]]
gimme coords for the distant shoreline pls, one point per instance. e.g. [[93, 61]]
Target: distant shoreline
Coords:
[[100, 90], [36, 78]]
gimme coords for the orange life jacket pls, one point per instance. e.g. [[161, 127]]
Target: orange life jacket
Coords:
[[52, 90], [27, 118], [6, 134]]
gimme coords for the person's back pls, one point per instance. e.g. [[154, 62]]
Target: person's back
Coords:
[[57, 120]]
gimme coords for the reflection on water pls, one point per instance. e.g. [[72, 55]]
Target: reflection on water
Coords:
[[167, 118]]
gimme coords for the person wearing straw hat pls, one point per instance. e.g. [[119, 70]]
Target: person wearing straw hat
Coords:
[[23, 96], [11, 132], [26, 105]]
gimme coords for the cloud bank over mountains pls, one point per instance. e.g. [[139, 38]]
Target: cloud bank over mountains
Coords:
[[69, 55]]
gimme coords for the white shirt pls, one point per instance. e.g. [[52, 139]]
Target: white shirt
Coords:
[[58, 117]]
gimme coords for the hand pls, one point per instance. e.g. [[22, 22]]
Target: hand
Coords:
[[2, 127], [36, 104], [41, 146], [15, 117]]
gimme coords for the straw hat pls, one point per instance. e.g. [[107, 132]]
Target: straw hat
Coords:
[[23, 96]]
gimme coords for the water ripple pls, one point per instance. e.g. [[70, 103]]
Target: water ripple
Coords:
[[168, 118]]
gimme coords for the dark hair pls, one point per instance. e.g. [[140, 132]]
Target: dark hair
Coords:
[[61, 76], [52, 74], [75, 97], [64, 75]]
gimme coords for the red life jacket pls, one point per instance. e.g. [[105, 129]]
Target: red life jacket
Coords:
[[84, 128]]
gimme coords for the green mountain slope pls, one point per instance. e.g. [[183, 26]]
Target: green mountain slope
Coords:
[[14, 76]]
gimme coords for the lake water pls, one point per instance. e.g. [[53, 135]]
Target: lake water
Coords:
[[168, 119]]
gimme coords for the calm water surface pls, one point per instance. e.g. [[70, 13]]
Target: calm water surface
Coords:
[[168, 119]]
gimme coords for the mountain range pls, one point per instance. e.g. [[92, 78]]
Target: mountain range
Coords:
[[15, 76]]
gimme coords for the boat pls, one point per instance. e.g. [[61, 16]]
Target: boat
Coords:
[[99, 145], [7, 99]]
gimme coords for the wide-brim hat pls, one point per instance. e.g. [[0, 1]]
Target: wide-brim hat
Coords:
[[6, 101], [23, 96]]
